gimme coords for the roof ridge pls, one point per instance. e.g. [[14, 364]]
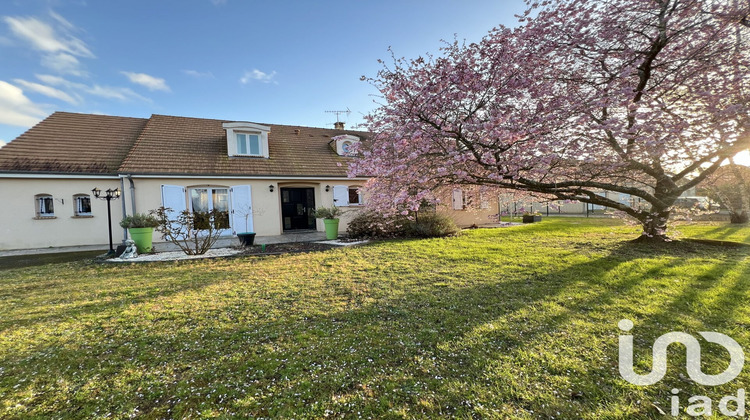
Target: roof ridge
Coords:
[[259, 122]]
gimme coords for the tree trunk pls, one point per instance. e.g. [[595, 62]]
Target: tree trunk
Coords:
[[741, 217], [655, 226]]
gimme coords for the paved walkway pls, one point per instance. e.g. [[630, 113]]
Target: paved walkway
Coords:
[[307, 236]]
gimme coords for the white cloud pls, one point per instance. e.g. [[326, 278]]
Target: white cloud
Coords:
[[199, 74], [64, 64], [259, 76], [16, 109], [143, 79], [47, 91], [3, 143], [108, 92], [60, 49], [44, 37]]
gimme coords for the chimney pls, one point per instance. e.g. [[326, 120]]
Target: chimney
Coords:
[[338, 125], [297, 131]]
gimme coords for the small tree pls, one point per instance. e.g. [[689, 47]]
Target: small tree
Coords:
[[193, 232], [245, 212]]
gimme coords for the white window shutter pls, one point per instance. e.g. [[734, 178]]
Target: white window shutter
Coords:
[[458, 199], [340, 195], [240, 201], [173, 196]]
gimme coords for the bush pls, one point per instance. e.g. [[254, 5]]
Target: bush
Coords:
[[193, 232], [431, 225], [370, 224], [332, 212], [139, 220]]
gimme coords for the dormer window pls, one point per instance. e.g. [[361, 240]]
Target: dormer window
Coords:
[[248, 144], [345, 143], [247, 139]]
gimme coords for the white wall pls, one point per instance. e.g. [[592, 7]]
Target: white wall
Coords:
[[19, 228], [266, 205]]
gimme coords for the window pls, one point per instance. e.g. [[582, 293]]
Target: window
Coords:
[[346, 147], [248, 144], [45, 205], [344, 144], [458, 199], [82, 205], [247, 139], [204, 200], [355, 198]]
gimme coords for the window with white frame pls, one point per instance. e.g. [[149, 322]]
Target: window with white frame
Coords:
[[344, 195], [204, 200], [45, 205], [248, 144], [247, 139], [82, 205], [344, 144]]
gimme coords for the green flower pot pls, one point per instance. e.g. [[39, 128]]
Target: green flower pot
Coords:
[[332, 228], [143, 238]]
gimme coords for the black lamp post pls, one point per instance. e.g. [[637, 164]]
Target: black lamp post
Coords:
[[110, 195]]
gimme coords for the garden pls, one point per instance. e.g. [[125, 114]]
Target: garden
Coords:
[[517, 322]]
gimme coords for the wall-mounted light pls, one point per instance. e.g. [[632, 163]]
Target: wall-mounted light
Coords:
[[328, 188], [270, 188]]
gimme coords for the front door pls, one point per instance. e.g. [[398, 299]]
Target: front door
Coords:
[[298, 208]]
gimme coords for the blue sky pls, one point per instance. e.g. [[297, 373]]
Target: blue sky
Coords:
[[282, 62]]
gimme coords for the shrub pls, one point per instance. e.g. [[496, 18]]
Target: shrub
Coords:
[[431, 225], [370, 224], [193, 232], [328, 212], [139, 220]]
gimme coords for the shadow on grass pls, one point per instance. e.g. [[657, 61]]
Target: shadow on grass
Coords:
[[502, 345], [21, 261]]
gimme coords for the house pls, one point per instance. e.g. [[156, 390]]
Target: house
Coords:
[[267, 178]]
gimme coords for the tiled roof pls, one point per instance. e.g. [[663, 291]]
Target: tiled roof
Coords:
[[72, 143], [166, 145], [196, 146]]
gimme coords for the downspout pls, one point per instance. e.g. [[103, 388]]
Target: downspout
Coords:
[[132, 193], [124, 211]]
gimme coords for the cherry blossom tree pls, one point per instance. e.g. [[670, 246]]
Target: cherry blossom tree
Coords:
[[639, 97]]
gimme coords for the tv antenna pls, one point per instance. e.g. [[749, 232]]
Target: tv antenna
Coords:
[[347, 112]]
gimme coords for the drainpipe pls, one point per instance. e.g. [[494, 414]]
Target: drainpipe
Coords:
[[124, 231], [132, 193]]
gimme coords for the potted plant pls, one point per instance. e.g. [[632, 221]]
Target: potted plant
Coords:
[[246, 238], [532, 217], [141, 226], [330, 219]]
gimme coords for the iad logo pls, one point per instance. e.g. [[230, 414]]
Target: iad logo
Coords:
[[693, 362], [699, 405]]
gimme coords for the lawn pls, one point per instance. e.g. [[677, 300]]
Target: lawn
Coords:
[[497, 323]]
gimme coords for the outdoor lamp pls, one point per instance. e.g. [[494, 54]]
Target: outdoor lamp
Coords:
[[270, 188], [111, 195], [328, 188]]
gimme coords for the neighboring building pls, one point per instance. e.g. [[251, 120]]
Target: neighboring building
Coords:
[[268, 177]]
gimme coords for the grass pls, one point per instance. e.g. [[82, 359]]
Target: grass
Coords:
[[497, 323]]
